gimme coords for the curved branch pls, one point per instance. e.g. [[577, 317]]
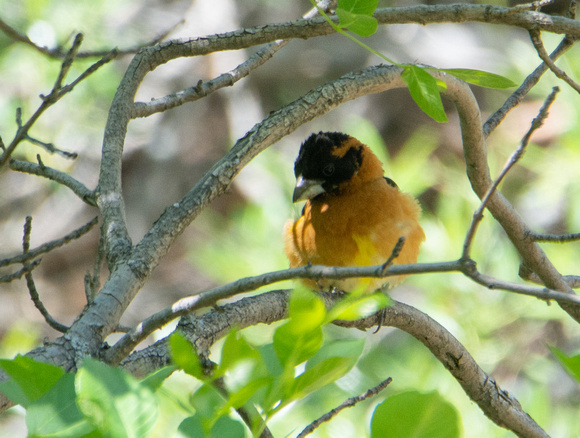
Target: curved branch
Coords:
[[497, 404], [65, 179], [205, 330]]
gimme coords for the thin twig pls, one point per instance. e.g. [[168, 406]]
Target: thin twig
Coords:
[[49, 246], [512, 160], [529, 275], [51, 148], [517, 96], [65, 179], [394, 254], [555, 238], [65, 66], [30, 282], [534, 6], [57, 92], [40, 306], [58, 53], [206, 299], [228, 79], [347, 404], [202, 89], [108, 57], [539, 45], [8, 278]]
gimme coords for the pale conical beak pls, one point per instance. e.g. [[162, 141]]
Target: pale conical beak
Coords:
[[307, 189]]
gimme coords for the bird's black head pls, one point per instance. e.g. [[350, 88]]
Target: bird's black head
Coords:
[[327, 159]]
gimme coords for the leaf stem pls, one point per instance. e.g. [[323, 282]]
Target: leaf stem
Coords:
[[340, 30]]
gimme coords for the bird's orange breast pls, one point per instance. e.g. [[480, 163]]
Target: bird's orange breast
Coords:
[[360, 227]]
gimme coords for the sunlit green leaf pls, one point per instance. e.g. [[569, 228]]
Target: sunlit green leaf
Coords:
[[362, 25], [209, 405], [349, 348], [360, 308], [481, 78], [321, 374], [357, 16], [360, 7], [424, 91], [157, 378], [570, 363], [56, 412], [417, 415], [191, 427], [294, 346], [114, 401], [235, 350], [183, 355], [30, 379], [228, 427], [307, 311]]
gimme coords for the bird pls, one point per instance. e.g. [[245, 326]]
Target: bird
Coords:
[[353, 216]]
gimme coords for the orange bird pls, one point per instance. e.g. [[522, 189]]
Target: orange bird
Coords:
[[353, 215]]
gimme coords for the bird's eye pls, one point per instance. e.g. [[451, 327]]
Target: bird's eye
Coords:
[[328, 170]]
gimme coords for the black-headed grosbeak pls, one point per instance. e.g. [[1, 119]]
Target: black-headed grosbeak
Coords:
[[353, 215]]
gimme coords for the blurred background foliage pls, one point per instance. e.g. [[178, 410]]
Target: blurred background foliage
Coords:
[[240, 234]]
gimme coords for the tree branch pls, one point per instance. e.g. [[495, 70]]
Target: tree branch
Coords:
[[554, 238], [269, 307], [184, 306], [539, 46], [57, 92], [58, 52], [8, 278], [65, 179], [350, 402], [34, 295], [530, 82], [49, 246], [512, 160]]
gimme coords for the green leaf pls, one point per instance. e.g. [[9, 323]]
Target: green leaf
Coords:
[[114, 401], [184, 356], [236, 350], [296, 346], [479, 77], [417, 415], [244, 394], [362, 307], [425, 92], [349, 349], [228, 427], [156, 378], [357, 16], [570, 363], [329, 364], [359, 7], [361, 25], [208, 404], [192, 427], [307, 311], [30, 379], [321, 374], [56, 412]]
